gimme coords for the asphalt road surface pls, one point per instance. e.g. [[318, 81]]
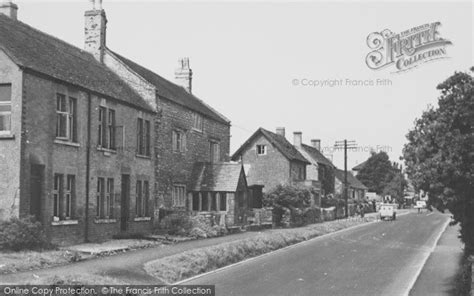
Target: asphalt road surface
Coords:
[[382, 258]]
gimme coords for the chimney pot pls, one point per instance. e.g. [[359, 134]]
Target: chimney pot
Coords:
[[297, 139], [280, 131], [316, 143], [184, 74], [9, 9]]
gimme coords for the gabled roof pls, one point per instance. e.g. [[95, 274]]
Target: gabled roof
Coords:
[[317, 155], [32, 49], [280, 142], [173, 92], [360, 166], [223, 176], [353, 181]]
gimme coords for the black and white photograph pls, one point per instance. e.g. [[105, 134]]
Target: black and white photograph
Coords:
[[237, 147]]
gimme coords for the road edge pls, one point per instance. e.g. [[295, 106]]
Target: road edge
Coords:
[[415, 278], [275, 251]]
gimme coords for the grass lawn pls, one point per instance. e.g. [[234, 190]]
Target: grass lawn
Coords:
[[193, 262]]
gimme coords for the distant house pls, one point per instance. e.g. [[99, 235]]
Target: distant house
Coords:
[[270, 160], [219, 191], [356, 189], [358, 168], [320, 169]]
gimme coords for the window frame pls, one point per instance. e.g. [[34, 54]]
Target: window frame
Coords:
[[66, 114], [178, 195], [198, 122], [261, 149], [214, 154], [143, 137], [69, 196], [57, 195], [178, 141], [7, 114], [100, 197], [109, 199]]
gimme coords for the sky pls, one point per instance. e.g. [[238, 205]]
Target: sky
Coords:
[[299, 65]]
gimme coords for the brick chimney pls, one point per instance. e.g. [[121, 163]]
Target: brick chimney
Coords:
[[9, 9], [280, 131], [95, 31], [316, 143], [184, 75], [297, 139]]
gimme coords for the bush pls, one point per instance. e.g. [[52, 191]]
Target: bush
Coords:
[[288, 197], [25, 233], [194, 226]]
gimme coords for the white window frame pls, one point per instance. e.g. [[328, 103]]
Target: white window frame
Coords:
[[178, 139], [179, 195], [7, 114], [261, 149], [69, 196], [70, 118], [198, 122]]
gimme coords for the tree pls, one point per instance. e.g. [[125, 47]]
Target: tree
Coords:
[[395, 187], [439, 155], [377, 172]]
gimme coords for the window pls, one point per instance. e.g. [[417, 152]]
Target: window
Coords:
[[205, 201], [63, 197], [213, 201], [66, 115], [143, 137], [214, 151], [223, 201], [196, 197], [100, 197], [5, 108], [261, 150], [109, 199], [179, 141], [197, 123], [301, 173], [106, 129], [69, 196], [179, 196], [111, 129], [57, 192], [142, 196]]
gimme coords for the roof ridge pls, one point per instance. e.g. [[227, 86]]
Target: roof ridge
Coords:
[[18, 22], [169, 89]]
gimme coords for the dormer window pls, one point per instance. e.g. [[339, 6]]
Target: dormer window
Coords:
[[261, 149]]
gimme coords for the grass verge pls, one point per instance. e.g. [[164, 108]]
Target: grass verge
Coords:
[[11, 262], [190, 263]]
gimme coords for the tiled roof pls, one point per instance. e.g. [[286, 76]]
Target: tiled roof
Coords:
[[317, 155], [215, 177], [280, 142], [173, 92], [32, 49], [353, 181]]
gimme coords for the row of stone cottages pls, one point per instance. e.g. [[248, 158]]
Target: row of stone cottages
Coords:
[[93, 144]]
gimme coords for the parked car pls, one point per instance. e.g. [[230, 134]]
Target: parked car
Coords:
[[388, 211]]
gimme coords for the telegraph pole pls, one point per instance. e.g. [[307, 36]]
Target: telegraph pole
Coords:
[[347, 145]]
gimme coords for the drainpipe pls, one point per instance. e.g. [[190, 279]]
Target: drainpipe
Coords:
[[88, 161]]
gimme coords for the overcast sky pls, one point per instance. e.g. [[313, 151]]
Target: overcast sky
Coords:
[[247, 58]]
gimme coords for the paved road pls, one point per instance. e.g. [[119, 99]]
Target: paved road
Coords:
[[382, 258]]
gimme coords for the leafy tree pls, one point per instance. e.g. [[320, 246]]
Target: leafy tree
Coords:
[[377, 172], [439, 155], [395, 187]]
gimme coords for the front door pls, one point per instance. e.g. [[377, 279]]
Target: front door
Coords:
[[36, 190], [124, 202]]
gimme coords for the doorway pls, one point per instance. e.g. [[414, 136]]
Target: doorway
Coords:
[[124, 202]]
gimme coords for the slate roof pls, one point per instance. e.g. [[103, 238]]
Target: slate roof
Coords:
[[173, 92], [360, 166], [280, 142], [317, 155], [32, 49], [353, 181], [215, 176]]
